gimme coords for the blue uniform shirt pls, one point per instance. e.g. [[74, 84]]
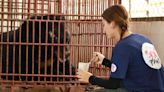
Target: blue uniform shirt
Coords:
[[139, 72]]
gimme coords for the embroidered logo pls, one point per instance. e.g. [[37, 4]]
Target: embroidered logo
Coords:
[[113, 67], [150, 56]]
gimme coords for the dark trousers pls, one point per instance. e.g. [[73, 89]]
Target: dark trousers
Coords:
[[110, 90]]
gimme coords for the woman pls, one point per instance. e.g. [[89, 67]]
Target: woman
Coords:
[[135, 64]]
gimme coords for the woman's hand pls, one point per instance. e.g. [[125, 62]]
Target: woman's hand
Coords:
[[83, 76], [97, 57]]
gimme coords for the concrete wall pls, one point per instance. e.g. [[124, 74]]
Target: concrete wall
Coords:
[[153, 30]]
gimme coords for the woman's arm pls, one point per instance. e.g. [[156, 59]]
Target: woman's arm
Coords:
[[106, 62], [112, 83]]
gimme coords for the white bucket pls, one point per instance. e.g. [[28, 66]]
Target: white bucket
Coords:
[[83, 66]]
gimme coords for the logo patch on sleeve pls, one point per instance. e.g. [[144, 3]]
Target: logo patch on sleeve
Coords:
[[150, 56], [113, 67]]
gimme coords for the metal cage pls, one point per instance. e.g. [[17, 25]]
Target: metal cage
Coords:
[[42, 41]]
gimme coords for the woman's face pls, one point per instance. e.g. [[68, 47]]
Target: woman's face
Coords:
[[108, 29]]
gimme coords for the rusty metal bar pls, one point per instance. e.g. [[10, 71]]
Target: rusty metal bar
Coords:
[[20, 32], [79, 11], [59, 6], [117, 1], [46, 60], [71, 54], [49, 14], [51, 59], [7, 54], [41, 44], [14, 40], [52, 49], [63, 49], [1, 39], [39, 51], [33, 40], [58, 49]]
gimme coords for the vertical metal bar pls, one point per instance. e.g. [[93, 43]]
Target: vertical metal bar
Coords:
[[27, 36], [28, 8], [33, 40], [109, 3], [72, 10], [1, 31], [33, 46], [35, 7], [70, 45], [92, 18], [42, 7], [101, 39], [42, 12], [26, 49], [45, 65], [81, 40], [52, 59], [49, 7], [91, 43], [66, 6], [54, 6], [80, 36], [11, 21], [92, 9], [73, 41], [43, 62], [87, 40], [79, 27], [20, 36], [60, 6], [14, 41], [7, 54], [64, 48], [86, 37], [49, 11], [119, 1], [52, 50], [84, 41], [96, 36], [22, 8], [97, 9], [39, 56], [85, 9], [79, 12], [58, 52]]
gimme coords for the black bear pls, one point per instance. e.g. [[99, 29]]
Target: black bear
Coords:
[[36, 48]]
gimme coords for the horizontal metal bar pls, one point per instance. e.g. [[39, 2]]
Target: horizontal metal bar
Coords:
[[47, 44]]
